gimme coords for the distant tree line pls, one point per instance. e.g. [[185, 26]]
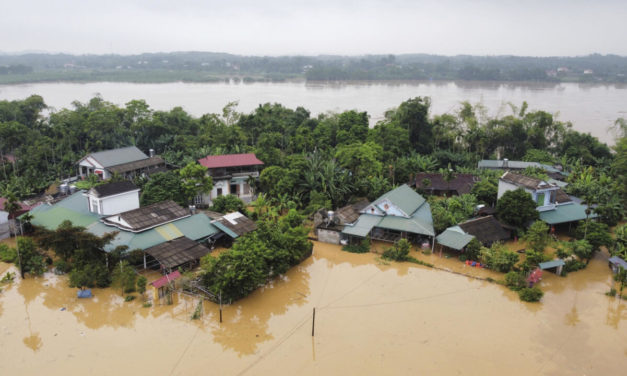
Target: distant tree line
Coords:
[[208, 66]]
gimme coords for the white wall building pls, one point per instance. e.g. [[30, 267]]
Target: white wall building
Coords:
[[113, 198]]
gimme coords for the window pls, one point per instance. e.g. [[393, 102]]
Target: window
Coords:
[[219, 192], [198, 200], [540, 199]]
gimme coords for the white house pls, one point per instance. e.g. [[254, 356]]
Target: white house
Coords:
[[231, 174], [128, 162], [542, 192], [113, 198], [554, 205]]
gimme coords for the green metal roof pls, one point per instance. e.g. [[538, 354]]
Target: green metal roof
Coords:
[[571, 212], [74, 208], [115, 157], [454, 237], [405, 198], [551, 264], [225, 229], [420, 222], [362, 227]]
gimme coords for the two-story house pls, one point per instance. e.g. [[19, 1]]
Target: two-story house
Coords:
[[554, 205], [231, 174], [128, 162]]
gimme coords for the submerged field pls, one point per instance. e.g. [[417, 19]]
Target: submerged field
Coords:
[[372, 317]]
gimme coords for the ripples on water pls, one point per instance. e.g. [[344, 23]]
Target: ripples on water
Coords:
[[372, 317]]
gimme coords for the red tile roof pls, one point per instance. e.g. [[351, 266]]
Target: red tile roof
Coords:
[[230, 160], [165, 279]]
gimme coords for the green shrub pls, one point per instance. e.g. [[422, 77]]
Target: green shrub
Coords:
[[9, 277], [530, 294], [147, 305], [7, 254], [515, 280], [362, 247], [573, 265], [62, 266], [399, 251], [499, 258], [129, 298], [612, 292]]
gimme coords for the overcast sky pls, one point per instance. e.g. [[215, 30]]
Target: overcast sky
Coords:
[[274, 27]]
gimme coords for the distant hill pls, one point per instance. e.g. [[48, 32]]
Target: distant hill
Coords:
[[213, 66]]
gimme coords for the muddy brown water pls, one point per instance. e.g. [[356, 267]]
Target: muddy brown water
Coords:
[[372, 317]]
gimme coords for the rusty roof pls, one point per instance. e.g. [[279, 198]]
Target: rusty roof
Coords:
[[526, 181], [148, 216], [177, 252], [461, 183], [486, 229]]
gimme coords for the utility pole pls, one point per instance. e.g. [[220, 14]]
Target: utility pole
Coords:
[[313, 322], [220, 306]]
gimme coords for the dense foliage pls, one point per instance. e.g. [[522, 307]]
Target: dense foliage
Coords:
[[517, 208], [499, 258], [256, 257]]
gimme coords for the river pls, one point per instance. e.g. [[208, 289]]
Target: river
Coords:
[[590, 108], [372, 318]]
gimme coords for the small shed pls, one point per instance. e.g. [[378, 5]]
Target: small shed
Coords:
[[486, 229], [553, 264], [615, 263], [454, 238], [160, 286]]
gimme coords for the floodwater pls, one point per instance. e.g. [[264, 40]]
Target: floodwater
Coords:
[[590, 107], [372, 317]]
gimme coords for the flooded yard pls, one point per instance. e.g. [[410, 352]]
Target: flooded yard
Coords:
[[372, 317]]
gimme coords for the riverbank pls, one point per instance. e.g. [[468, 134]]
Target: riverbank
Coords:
[[589, 107], [371, 317]]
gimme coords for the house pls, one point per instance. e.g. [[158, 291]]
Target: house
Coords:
[[161, 286], [113, 198], [554, 172], [436, 184], [7, 221], [329, 225], [398, 214], [231, 174], [555, 206], [127, 162], [485, 229], [137, 228]]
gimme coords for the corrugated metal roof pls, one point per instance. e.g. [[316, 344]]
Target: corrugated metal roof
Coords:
[[362, 227], [405, 198], [420, 223], [166, 279], [551, 264], [108, 158], [177, 252], [454, 237], [565, 213], [618, 261]]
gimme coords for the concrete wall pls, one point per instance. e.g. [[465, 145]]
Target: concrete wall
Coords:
[[120, 203], [328, 236]]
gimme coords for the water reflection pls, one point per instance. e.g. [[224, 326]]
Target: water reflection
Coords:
[[246, 323]]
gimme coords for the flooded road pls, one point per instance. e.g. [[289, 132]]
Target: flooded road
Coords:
[[372, 317]]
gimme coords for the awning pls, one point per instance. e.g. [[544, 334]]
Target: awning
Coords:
[[551, 264], [571, 212], [454, 237], [362, 227]]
